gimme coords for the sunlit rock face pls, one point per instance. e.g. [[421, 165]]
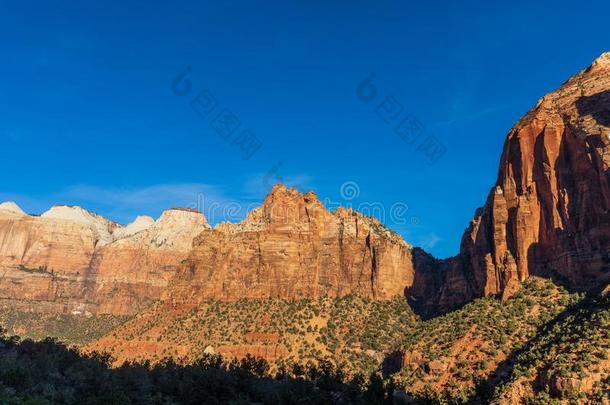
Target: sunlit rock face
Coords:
[[293, 247], [133, 271], [45, 260], [547, 215], [69, 260], [549, 212]]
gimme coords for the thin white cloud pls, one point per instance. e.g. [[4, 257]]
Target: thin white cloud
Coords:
[[467, 116], [430, 241], [181, 194], [126, 203]]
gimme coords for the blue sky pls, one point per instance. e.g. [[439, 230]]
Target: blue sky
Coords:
[[88, 115]]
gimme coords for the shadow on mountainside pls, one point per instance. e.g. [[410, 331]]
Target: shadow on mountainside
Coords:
[[577, 254], [596, 105], [439, 286], [547, 336], [428, 278], [50, 372]]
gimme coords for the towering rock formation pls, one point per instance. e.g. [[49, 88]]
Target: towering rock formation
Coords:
[[133, 271], [44, 260], [549, 212], [547, 215], [293, 247], [69, 260]]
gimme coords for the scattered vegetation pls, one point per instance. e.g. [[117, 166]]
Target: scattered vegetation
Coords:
[[74, 329], [352, 332], [568, 359], [36, 270], [47, 372], [453, 356], [543, 345]]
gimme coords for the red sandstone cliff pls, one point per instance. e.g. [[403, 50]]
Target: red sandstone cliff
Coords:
[[293, 247], [133, 271], [547, 215], [69, 260], [549, 212]]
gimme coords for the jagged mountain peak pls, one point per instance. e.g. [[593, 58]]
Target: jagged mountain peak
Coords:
[[184, 216], [281, 192], [602, 62], [12, 207], [140, 224], [100, 226], [288, 208], [175, 229], [73, 213], [548, 214]]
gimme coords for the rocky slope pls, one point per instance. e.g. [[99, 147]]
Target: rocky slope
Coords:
[[69, 260], [350, 330], [542, 342], [568, 360], [549, 212]]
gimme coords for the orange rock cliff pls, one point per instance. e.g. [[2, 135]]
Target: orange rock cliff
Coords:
[[69, 260], [293, 247], [549, 212], [548, 215]]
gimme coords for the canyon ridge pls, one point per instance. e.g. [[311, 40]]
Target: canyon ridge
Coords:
[[547, 215], [295, 280]]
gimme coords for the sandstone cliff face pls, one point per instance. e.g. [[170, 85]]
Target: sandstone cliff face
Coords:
[[133, 271], [293, 247], [69, 260], [549, 213], [44, 260]]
